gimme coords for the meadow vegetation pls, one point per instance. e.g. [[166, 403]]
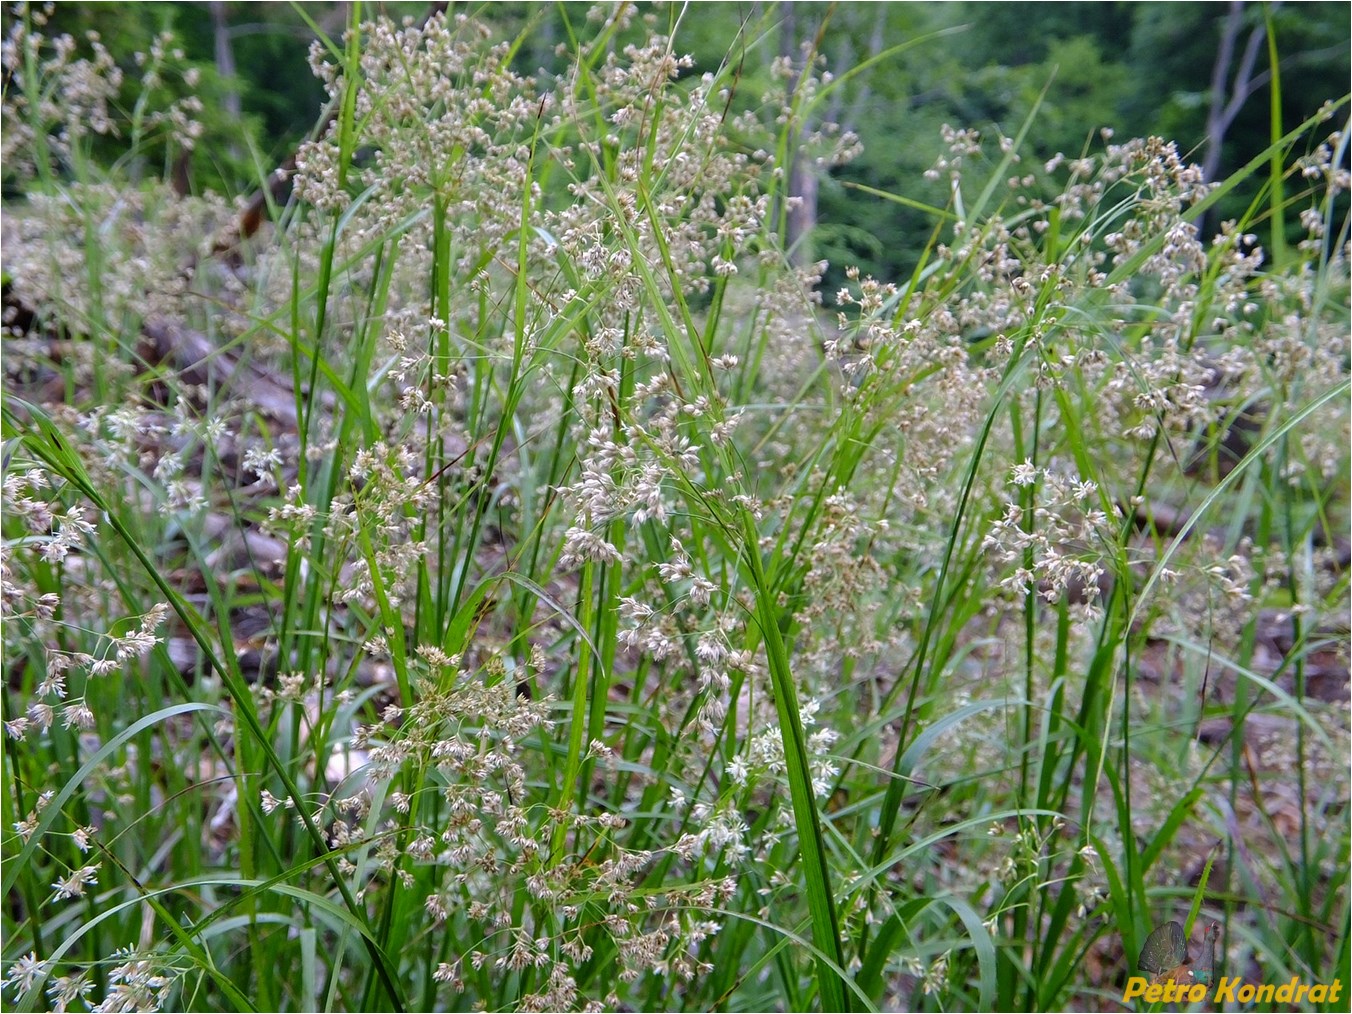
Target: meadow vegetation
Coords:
[[506, 581]]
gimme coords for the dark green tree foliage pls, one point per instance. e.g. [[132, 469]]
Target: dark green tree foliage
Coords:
[[1018, 34], [270, 43], [1138, 68], [279, 99]]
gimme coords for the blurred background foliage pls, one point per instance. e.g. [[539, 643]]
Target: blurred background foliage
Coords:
[[1197, 74]]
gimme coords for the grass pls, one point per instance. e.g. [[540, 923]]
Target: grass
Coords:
[[577, 613]]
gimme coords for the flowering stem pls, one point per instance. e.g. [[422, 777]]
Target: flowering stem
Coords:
[[578, 720], [821, 901], [63, 461]]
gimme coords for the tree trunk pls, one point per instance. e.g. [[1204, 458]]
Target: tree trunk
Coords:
[[1228, 98], [800, 195], [802, 210], [225, 58]]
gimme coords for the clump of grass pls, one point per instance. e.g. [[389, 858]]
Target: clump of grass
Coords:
[[536, 600]]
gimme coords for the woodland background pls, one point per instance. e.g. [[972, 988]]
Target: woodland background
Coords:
[[1192, 73]]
